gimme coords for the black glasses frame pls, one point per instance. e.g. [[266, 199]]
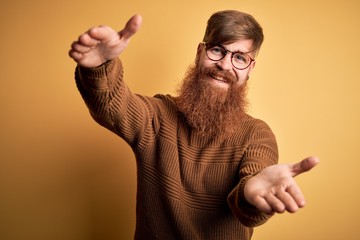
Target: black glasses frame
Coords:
[[211, 45]]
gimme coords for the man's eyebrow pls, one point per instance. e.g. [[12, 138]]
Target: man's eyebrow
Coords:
[[237, 51]]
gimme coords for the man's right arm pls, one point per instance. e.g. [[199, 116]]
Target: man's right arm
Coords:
[[99, 77], [99, 87]]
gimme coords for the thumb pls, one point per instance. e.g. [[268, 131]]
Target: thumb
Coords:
[[131, 27], [304, 165]]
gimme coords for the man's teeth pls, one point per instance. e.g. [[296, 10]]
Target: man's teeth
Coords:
[[221, 79]]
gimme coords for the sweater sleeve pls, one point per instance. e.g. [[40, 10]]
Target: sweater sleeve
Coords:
[[261, 152], [112, 104]]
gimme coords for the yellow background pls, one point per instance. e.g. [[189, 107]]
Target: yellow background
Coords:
[[63, 177]]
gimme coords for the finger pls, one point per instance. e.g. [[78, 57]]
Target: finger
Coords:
[[98, 34], [131, 27], [87, 40], [76, 46], [288, 201], [75, 55], [275, 204], [296, 195], [304, 165], [261, 204]]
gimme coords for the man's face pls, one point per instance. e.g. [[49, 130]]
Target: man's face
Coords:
[[212, 96], [225, 74]]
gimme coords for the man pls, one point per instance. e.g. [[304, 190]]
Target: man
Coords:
[[206, 169]]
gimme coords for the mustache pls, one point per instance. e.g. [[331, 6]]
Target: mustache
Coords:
[[214, 72]]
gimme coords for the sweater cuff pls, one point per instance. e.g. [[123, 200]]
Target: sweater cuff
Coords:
[[247, 213], [245, 204], [98, 78]]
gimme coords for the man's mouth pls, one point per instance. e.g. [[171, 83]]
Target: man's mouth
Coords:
[[220, 78]]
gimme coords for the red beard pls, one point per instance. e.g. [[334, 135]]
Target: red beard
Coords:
[[210, 110]]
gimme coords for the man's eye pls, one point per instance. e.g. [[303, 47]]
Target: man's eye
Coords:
[[217, 50], [240, 58]]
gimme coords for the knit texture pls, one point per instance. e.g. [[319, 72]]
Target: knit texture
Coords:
[[188, 186]]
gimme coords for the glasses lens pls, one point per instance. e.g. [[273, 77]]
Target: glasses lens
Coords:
[[216, 53], [241, 60]]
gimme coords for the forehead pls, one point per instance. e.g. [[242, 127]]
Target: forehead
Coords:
[[244, 45]]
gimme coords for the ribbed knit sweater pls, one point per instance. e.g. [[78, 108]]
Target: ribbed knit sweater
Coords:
[[188, 186]]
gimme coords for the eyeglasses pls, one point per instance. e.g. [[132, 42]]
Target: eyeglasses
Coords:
[[216, 52]]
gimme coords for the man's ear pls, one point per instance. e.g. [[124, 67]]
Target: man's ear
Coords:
[[198, 51], [252, 66], [199, 47]]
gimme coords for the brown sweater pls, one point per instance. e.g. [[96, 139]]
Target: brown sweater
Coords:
[[189, 187]]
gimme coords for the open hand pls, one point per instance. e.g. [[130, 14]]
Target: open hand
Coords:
[[100, 44], [274, 189]]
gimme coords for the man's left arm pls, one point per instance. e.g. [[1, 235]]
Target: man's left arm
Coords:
[[261, 152], [266, 187]]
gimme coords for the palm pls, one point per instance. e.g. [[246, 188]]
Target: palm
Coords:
[[102, 43], [274, 188], [108, 48], [272, 179]]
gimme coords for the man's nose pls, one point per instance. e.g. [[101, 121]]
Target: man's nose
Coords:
[[226, 62]]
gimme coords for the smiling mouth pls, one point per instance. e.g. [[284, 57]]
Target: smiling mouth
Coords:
[[220, 79]]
